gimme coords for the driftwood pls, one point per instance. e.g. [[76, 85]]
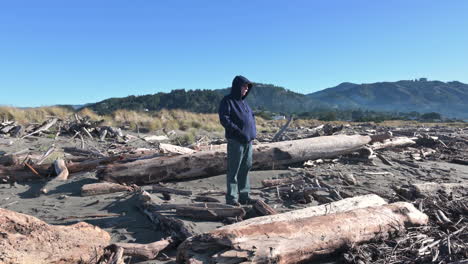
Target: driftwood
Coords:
[[142, 251], [393, 143], [281, 131], [27, 172], [45, 126], [295, 241], [263, 209], [61, 170], [173, 149], [26, 239], [171, 226], [103, 188], [211, 213], [211, 163]]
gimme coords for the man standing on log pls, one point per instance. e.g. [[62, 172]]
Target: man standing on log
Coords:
[[238, 121]]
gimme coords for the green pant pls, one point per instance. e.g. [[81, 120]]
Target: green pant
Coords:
[[239, 163]]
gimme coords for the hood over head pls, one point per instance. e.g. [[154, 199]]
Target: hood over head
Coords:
[[237, 83]]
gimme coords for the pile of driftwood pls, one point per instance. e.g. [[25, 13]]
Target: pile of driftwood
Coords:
[[10, 128], [259, 234], [75, 126], [443, 240]]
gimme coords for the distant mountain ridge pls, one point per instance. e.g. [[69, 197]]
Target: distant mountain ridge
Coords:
[[450, 99]]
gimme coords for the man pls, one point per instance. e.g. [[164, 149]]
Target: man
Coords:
[[238, 121]]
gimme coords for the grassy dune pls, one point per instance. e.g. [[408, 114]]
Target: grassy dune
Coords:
[[169, 119]]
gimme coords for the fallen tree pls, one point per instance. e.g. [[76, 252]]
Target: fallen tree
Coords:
[[293, 241], [26, 239], [211, 163]]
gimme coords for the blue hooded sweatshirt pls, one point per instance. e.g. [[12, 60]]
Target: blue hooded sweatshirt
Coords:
[[235, 114]]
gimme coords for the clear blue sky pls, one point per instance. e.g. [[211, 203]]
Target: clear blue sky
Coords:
[[74, 52]]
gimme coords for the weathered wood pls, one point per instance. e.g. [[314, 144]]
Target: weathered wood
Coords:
[[211, 163], [263, 209], [103, 188], [173, 149], [293, 241], [9, 160], [171, 226], [144, 251], [26, 239], [281, 131], [22, 173], [393, 143], [45, 126], [46, 154], [61, 170]]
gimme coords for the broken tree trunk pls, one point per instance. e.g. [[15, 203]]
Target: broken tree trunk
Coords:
[[293, 241], [103, 188], [26, 239], [211, 163]]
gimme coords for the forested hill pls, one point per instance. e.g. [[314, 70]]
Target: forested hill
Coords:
[[450, 99], [262, 96]]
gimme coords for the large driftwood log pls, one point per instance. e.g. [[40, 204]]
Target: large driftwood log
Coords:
[[24, 173], [211, 163], [26, 239], [301, 240]]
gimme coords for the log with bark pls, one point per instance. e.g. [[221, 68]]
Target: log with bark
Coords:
[[211, 163], [26, 239], [293, 241]]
